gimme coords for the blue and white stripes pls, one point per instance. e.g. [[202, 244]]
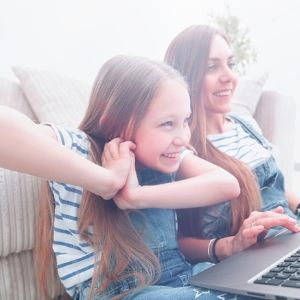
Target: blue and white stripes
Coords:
[[241, 145], [75, 258]]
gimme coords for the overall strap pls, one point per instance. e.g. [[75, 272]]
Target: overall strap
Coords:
[[248, 127]]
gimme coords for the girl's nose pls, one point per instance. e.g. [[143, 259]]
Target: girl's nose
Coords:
[[183, 138]]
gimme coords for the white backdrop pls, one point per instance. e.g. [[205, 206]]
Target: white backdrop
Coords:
[[74, 37]]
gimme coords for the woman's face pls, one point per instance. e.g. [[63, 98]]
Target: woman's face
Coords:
[[220, 79], [164, 130]]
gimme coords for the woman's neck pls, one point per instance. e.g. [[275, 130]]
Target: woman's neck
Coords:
[[217, 123]]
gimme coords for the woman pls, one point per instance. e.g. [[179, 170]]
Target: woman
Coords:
[[203, 55]]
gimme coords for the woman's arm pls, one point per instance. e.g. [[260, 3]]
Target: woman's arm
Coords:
[[201, 184], [256, 225], [31, 148]]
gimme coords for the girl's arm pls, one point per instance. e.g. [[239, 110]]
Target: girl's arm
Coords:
[[31, 148], [254, 227], [201, 184]]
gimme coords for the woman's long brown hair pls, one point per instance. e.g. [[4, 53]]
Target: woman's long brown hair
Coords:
[[122, 93], [188, 53]]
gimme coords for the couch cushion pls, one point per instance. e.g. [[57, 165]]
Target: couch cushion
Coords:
[[17, 279], [19, 196], [272, 113], [54, 98], [11, 95], [247, 94]]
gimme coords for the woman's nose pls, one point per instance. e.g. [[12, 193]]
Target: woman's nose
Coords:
[[228, 75]]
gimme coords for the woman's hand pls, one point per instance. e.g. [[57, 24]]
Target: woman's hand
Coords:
[[252, 230], [257, 225], [116, 158]]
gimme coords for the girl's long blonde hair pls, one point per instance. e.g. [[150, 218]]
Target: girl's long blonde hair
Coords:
[[122, 93], [188, 53]]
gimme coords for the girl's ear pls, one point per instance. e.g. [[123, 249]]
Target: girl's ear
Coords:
[[128, 133]]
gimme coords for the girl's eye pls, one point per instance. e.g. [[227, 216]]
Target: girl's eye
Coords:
[[167, 124], [188, 120]]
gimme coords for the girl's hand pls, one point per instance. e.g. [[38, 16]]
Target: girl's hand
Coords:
[[116, 159], [125, 197], [257, 225]]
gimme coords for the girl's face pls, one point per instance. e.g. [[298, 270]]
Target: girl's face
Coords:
[[220, 79], [164, 130]]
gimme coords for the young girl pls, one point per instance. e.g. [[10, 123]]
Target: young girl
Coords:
[[140, 110], [203, 55]]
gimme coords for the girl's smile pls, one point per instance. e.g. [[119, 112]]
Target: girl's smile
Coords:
[[164, 131], [171, 158]]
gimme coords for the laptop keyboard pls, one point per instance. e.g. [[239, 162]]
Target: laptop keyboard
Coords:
[[285, 273]]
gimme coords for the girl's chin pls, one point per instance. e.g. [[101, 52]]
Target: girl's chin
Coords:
[[165, 166], [169, 169]]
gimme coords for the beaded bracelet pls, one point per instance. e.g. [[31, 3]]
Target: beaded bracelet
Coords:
[[215, 257], [209, 249], [297, 210]]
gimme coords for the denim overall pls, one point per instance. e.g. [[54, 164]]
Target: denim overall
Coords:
[[217, 218], [158, 229], [269, 176]]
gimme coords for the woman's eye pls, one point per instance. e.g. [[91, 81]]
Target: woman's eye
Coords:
[[211, 67], [232, 64]]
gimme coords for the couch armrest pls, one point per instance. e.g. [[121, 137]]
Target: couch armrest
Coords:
[[276, 115]]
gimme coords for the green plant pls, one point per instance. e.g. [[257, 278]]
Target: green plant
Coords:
[[242, 47]]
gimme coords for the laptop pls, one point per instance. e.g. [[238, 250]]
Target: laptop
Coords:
[[269, 269]]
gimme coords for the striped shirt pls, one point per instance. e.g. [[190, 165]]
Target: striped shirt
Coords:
[[240, 144], [74, 257]]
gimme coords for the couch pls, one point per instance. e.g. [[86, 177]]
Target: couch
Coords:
[[48, 97]]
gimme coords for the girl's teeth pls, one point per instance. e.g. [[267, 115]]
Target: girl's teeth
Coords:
[[223, 93], [171, 155]]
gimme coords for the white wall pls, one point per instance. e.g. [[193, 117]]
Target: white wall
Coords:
[[74, 37], [77, 36]]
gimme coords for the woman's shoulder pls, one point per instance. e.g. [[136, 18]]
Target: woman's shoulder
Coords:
[[246, 121]]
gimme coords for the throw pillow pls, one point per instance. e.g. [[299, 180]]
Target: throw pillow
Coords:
[[247, 94], [12, 95], [53, 98]]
